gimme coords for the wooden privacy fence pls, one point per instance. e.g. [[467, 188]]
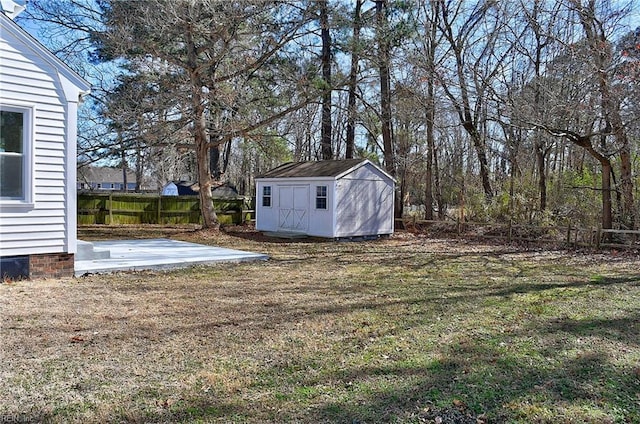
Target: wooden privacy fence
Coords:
[[135, 208], [573, 236]]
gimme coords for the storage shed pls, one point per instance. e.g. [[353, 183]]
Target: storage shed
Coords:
[[334, 199], [39, 97], [180, 188]]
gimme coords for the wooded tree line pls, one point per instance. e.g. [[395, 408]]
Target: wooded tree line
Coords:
[[526, 110]]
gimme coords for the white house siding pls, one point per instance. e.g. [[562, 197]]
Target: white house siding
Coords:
[[29, 79]]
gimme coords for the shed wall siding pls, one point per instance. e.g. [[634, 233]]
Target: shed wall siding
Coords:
[[322, 220], [364, 204], [266, 216], [29, 79]]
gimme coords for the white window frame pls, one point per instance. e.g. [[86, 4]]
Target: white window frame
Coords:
[[265, 196], [28, 140], [320, 196]]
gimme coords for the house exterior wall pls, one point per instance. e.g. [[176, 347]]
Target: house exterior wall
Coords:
[[51, 265], [46, 224]]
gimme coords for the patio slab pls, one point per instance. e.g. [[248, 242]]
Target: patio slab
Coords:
[[130, 255]]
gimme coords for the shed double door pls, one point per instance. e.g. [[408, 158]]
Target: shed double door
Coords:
[[293, 205]]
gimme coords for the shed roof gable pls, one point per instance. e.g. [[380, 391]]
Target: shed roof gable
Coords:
[[310, 169]]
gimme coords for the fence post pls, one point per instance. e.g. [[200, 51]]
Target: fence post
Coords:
[[598, 236], [509, 233], [159, 215], [110, 207]]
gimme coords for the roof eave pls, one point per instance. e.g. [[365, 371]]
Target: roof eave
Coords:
[[363, 163], [17, 31], [322, 178]]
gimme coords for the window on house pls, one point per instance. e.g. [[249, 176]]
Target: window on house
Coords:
[[321, 197], [266, 196], [15, 157]]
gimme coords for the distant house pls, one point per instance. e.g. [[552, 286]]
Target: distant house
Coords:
[[189, 188], [335, 199], [39, 97], [105, 178]]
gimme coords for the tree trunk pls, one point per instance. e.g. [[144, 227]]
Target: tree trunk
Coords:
[[626, 176], [442, 213], [226, 157], [385, 86], [124, 171], [325, 138], [353, 83], [542, 174], [481, 154], [607, 220], [209, 217], [428, 195], [539, 142], [384, 52], [214, 161], [430, 53], [140, 164]]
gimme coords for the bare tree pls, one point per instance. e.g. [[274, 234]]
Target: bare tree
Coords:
[[427, 50], [473, 48], [542, 38], [220, 49], [594, 21]]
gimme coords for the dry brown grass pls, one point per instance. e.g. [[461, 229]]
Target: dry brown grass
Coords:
[[405, 329]]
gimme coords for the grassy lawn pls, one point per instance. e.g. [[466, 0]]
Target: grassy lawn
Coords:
[[406, 329]]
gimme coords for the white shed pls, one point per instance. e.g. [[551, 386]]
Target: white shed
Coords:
[[39, 97], [334, 198]]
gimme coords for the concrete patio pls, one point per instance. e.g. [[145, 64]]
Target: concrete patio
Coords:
[[129, 255]]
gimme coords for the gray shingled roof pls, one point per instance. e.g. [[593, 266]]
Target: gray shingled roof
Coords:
[[325, 168], [99, 174]]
